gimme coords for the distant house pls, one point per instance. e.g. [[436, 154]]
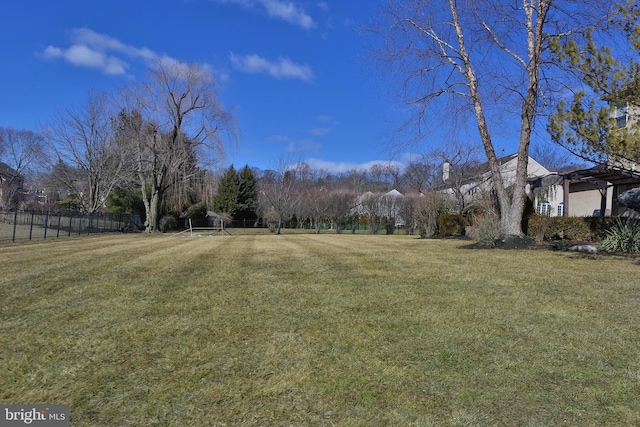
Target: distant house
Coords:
[[390, 206], [469, 186], [585, 192], [386, 205]]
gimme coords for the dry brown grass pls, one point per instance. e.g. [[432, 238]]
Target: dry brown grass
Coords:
[[318, 330]]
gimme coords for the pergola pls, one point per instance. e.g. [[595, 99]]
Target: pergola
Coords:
[[603, 178]]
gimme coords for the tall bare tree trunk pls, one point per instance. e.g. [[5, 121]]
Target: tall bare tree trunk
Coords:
[[511, 205]]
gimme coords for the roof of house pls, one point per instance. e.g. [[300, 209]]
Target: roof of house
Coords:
[[604, 173], [475, 172], [7, 171], [393, 193]]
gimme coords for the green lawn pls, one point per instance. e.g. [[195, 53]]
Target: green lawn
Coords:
[[319, 330]]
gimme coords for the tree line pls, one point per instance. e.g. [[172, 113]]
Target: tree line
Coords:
[[150, 147]]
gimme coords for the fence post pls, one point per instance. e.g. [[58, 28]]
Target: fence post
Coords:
[[46, 224], [59, 220], [31, 227], [15, 224], [70, 218]]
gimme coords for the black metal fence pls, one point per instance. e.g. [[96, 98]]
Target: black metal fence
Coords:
[[34, 225]]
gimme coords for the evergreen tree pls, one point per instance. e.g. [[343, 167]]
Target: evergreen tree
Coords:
[[247, 195], [226, 199], [600, 123]]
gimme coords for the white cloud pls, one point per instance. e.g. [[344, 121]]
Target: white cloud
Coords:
[[84, 56], [319, 131], [288, 12], [283, 68], [342, 167], [285, 10], [303, 145], [94, 50]]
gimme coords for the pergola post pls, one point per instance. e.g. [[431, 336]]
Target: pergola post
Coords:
[[566, 185]]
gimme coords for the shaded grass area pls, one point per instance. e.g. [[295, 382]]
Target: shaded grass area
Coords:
[[318, 330]]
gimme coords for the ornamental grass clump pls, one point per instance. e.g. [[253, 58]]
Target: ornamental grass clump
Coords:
[[624, 236]]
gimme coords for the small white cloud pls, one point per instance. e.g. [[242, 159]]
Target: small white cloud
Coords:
[[282, 68], [108, 54], [342, 167], [288, 12], [306, 145], [323, 118], [319, 131], [84, 56], [333, 167], [284, 10], [52, 52]]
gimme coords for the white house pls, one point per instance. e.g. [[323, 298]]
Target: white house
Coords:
[[387, 205], [585, 192], [468, 187]]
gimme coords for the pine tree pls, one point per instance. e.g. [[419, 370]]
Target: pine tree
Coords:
[[226, 199], [600, 123], [247, 195]]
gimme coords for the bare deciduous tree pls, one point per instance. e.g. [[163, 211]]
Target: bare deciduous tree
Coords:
[[278, 195], [460, 163], [552, 156], [314, 197], [489, 54], [340, 203], [82, 140], [184, 125], [421, 174], [19, 150]]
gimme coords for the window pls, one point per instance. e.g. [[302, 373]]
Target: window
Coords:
[[621, 115], [561, 209], [544, 209]]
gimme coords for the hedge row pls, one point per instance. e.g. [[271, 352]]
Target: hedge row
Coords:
[[590, 228]]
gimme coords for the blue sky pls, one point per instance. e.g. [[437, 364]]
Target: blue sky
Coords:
[[294, 71]]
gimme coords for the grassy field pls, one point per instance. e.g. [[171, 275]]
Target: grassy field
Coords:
[[306, 330]]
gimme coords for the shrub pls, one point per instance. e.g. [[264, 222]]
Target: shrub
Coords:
[[599, 225], [624, 236], [537, 227], [486, 229], [167, 223], [390, 225], [197, 211], [542, 227], [571, 228], [451, 224], [470, 212], [428, 208], [559, 227]]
